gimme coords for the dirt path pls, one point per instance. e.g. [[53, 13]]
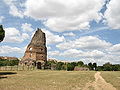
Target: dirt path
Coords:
[[99, 84]]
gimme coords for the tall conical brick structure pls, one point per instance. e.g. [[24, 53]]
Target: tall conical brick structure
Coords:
[[36, 52]]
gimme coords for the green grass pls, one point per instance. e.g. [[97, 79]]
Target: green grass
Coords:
[[46, 80], [112, 77]]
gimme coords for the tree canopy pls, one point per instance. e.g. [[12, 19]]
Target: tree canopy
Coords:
[[2, 33]]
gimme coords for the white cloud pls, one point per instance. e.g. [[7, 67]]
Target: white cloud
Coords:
[[13, 35], [8, 49], [1, 18], [54, 53], [27, 27], [48, 48], [85, 43], [71, 53], [81, 54], [115, 48], [24, 36], [53, 38], [69, 34], [90, 49], [112, 14], [13, 8], [93, 54], [61, 15], [87, 56]]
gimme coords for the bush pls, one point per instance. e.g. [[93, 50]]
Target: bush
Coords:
[[9, 62], [70, 66]]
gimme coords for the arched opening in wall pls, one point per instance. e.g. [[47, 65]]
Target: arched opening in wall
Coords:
[[41, 49], [39, 65], [30, 48]]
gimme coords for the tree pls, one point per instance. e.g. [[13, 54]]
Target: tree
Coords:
[[107, 66], [99, 68], [80, 63], [8, 62], [59, 65], [51, 65], [2, 33], [70, 66], [94, 66], [90, 65]]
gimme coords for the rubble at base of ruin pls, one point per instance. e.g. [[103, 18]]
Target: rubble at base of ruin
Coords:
[[36, 52]]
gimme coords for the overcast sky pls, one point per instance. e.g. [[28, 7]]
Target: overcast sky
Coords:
[[87, 30]]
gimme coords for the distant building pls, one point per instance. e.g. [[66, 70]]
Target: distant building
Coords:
[[8, 58], [36, 52]]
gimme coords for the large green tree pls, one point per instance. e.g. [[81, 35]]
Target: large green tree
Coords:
[[95, 66], [80, 63], [107, 66], [59, 65], [90, 65], [2, 33]]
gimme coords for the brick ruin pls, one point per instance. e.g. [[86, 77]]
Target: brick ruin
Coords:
[[36, 52]]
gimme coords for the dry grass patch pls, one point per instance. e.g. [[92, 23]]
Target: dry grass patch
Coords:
[[112, 77], [46, 80]]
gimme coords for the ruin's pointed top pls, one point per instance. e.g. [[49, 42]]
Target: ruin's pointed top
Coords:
[[38, 38], [38, 29]]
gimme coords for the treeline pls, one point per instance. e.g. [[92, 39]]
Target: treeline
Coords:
[[54, 65], [69, 66], [4, 62], [109, 67]]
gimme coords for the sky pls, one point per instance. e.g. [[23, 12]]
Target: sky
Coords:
[[76, 30]]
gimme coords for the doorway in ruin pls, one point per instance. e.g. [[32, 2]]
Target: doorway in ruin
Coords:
[[39, 65]]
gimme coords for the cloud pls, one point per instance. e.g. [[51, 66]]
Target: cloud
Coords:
[[48, 48], [112, 14], [53, 53], [71, 53], [69, 34], [77, 55], [53, 38], [87, 56], [13, 10], [89, 49], [83, 54], [1, 18], [8, 49], [24, 36], [27, 27], [69, 15], [85, 43], [13, 35], [115, 48]]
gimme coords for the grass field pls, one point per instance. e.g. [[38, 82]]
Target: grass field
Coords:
[[55, 80], [112, 77], [46, 80]]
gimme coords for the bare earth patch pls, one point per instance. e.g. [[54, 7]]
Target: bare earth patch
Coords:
[[99, 83]]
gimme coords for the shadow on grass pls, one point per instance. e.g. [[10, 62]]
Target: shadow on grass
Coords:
[[6, 73]]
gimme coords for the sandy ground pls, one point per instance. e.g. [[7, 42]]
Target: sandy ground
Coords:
[[99, 84]]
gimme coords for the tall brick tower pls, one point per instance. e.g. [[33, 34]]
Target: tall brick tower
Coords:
[[36, 51]]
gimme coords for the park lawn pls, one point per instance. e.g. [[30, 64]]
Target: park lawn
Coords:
[[112, 77], [46, 80]]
